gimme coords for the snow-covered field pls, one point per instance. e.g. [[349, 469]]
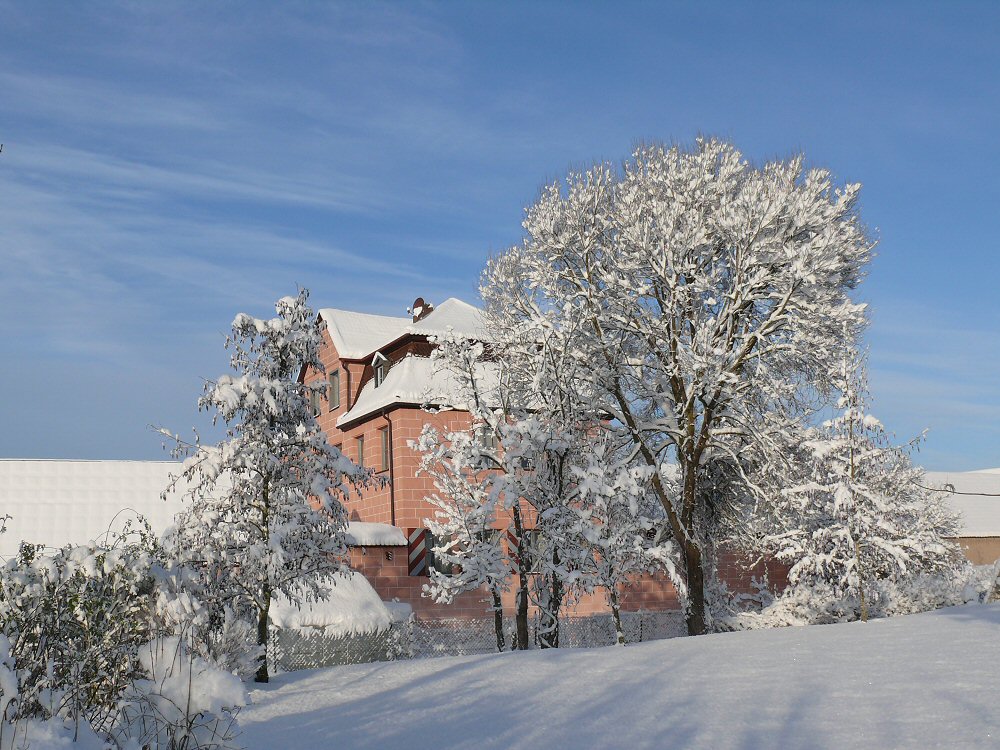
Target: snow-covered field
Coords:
[[923, 681]]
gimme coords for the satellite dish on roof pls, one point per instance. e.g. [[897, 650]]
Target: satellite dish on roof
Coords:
[[420, 309]]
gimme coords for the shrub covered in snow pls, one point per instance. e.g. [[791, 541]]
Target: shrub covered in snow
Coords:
[[74, 620], [182, 702], [84, 637]]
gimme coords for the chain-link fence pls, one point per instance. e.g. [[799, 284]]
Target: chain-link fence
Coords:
[[290, 650]]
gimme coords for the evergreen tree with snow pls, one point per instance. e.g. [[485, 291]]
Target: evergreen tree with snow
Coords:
[[860, 522], [265, 514]]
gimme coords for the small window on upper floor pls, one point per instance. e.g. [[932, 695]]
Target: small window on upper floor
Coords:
[[381, 366], [361, 451], [333, 390], [315, 396]]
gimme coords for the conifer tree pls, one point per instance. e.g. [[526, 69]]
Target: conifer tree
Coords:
[[265, 514]]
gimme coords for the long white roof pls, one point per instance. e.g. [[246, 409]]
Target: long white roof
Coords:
[[980, 509], [357, 335], [58, 502]]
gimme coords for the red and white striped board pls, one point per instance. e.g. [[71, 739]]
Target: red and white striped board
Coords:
[[416, 547], [512, 543]]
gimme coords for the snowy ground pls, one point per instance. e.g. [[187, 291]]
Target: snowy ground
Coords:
[[923, 681]]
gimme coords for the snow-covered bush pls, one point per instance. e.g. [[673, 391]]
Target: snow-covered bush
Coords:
[[82, 652], [74, 619], [214, 629], [22, 733], [965, 585], [182, 703]]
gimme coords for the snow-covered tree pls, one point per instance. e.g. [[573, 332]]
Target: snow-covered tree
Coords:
[[861, 519], [470, 553], [532, 496], [698, 302], [265, 514], [616, 518], [475, 522], [504, 488]]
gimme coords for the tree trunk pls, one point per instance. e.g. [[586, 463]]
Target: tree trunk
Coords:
[[498, 618], [616, 613], [548, 626], [696, 621], [861, 582], [694, 565], [521, 614], [262, 622]]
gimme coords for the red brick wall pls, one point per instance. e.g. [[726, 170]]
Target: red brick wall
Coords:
[[390, 580], [643, 592]]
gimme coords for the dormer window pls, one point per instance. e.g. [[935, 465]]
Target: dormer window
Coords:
[[381, 366]]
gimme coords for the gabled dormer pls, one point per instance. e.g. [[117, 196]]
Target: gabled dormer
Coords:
[[380, 366]]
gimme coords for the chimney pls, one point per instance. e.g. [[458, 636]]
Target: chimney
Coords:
[[420, 309]]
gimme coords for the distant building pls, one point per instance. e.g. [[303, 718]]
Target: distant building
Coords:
[[56, 502], [975, 496]]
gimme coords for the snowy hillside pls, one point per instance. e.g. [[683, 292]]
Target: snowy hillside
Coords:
[[923, 681]]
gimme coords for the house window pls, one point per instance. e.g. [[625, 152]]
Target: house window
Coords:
[[487, 438], [361, 451], [381, 365], [333, 390], [315, 391], [383, 435], [434, 560]]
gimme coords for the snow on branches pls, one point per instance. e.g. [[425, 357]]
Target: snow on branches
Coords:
[[859, 522], [532, 496], [697, 301], [265, 515]]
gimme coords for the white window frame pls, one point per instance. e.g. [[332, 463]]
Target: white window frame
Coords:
[[380, 364]]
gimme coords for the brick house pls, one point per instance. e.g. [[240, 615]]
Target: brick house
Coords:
[[378, 373]]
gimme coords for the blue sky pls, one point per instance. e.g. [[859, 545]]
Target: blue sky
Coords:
[[168, 165]]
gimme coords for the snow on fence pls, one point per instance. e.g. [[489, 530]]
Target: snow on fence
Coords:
[[290, 650]]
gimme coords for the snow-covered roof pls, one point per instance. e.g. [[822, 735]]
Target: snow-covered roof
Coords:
[[366, 534], [57, 502], [357, 335], [411, 380], [352, 606], [452, 314], [980, 512]]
